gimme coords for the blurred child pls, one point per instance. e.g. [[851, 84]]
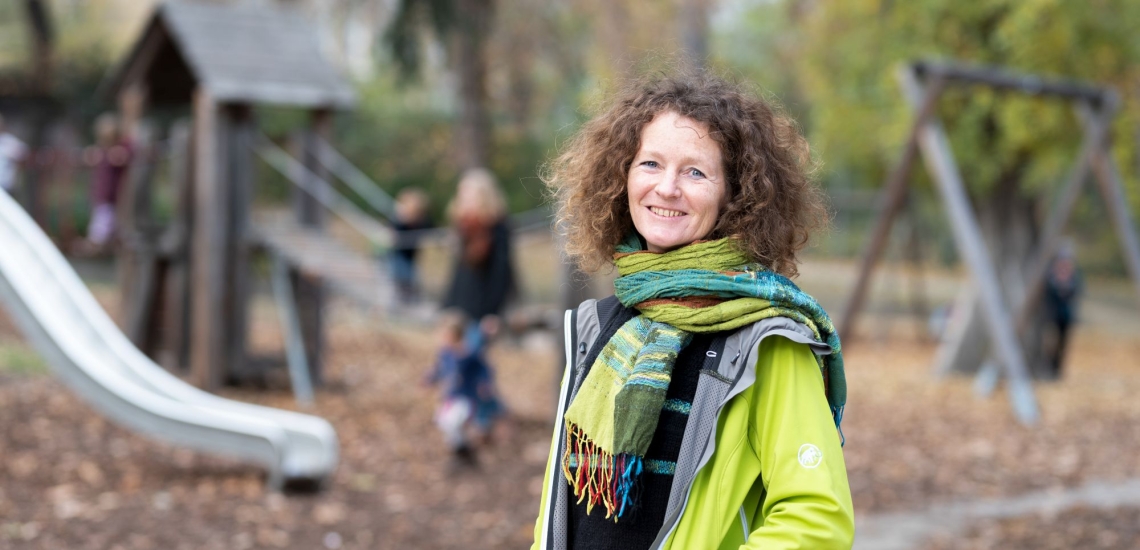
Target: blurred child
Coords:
[[114, 158], [411, 219], [468, 399]]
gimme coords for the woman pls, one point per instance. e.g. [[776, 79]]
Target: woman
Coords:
[[700, 407], [483, 277]]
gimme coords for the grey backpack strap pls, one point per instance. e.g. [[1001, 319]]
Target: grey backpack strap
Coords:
[[557, 496], [608, 309]]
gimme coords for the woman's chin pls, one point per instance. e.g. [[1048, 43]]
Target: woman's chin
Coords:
[[665, 245]]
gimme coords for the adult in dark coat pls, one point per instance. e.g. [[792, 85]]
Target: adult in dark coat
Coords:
[[483, 276]]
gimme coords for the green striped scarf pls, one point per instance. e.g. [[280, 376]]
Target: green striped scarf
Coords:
[[707, 286]]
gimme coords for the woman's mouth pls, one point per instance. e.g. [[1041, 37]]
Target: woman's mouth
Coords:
[[665, 212]]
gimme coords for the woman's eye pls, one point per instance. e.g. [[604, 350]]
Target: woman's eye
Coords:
[[649, 164], [696, 173]]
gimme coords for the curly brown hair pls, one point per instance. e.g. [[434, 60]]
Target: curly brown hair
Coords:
[[773, 206]]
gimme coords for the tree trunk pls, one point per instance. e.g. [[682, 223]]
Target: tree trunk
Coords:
[[42, 35], [474, 132], [693, 24], [613, 33], [1011, 227]]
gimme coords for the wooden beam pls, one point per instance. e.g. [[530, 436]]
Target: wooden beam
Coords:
[[131, 212], [956, 73], [207, 280], [140, 307], [295, 354], [132, 104], [142, 57], [309, 292], [1112, 190], [239, 190], [43, 45], [174, 246], [971, 246], [308, 209], [890, 202], [132, 101]]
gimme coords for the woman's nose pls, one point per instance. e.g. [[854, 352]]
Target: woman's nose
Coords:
[[668, 186]]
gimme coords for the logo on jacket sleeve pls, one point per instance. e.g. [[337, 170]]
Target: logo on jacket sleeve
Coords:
[[810, 456]]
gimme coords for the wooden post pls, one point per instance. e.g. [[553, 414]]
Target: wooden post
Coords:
[[308, 291], [175, 325], [65, 187], [890, 202], [940, 162], [295, 354], [207, 335], [139, 257], [1111, 188], [919, 305], [131, 102], [239, 189]]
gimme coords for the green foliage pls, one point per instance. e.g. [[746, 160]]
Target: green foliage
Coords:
[[859, 119], [404, 35], [14, 42]]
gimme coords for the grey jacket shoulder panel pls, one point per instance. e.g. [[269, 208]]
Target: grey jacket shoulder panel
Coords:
[[589, 327], [588, 323]]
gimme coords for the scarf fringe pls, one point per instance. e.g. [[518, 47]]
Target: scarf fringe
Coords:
[[602, 478]]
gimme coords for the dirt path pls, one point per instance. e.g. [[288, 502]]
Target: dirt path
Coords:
[[947, 522]]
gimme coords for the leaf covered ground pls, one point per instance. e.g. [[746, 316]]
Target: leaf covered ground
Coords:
[[70, 479]]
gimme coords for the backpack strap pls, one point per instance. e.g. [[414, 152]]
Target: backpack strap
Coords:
[[609, 309], [611, 316]]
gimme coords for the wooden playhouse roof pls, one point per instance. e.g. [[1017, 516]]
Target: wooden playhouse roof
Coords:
[[240, 54]]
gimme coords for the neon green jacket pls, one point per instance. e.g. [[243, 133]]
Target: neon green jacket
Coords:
[[775, 478]]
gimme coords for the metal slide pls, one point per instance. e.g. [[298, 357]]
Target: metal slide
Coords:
[[62, 320]]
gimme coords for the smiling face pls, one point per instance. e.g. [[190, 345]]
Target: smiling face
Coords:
[[676, 183]]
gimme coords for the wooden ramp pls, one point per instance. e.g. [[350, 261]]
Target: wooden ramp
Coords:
[[318, 254]]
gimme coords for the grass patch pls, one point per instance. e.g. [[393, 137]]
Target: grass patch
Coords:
[[16, 358]]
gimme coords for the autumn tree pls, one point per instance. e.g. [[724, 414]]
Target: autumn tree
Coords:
[[1013, 150]]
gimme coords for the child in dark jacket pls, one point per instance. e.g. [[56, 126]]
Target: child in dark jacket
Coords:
[[411, 220], [468, 397]]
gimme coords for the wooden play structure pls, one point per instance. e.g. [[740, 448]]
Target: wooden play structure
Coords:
[[1005, 313], [185, 286]]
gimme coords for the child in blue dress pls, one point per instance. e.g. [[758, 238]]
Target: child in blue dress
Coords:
[[468, 401]]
